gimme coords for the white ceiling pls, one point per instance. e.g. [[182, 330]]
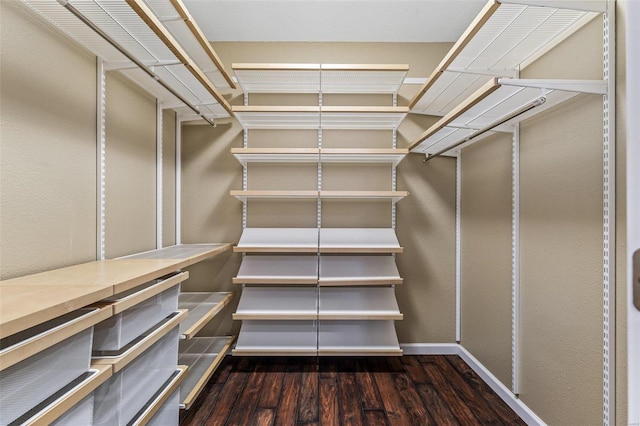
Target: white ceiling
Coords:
[[334, 20]]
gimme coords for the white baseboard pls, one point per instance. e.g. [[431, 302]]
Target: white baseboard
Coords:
[[498, 387]]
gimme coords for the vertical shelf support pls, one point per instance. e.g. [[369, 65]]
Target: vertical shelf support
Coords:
[[394, 177], [515, 261], [101, 145], [159, 186], [458, 245], [609, 217], [178, 179]]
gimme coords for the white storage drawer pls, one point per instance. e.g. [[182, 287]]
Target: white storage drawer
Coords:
[[119, 399], [145, 307], [29, 382]]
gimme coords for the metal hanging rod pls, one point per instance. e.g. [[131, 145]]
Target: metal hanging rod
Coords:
[[125, 52], [536, 103]]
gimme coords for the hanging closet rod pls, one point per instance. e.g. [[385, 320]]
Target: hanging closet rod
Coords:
[[125, 52], [536, 103]]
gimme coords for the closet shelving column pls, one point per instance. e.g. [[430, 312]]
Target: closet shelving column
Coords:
[[334, 291]]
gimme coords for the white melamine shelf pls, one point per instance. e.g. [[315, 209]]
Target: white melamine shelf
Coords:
[[278, 240], [264, 269], [202, 355], [358, 303], [278, 303], [323, 155], [314, 117], [183, 62], [495, 103], [286, 338], [358, 338], [358, 270], [359, 240], [271, 194], [394, 196], [504, 37], [316, 78], [202, 307]]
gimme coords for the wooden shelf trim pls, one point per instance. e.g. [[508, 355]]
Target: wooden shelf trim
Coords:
[[162, 397], [202, 362], [121, 303], [121, 361], [267, 351], [312, 195], [207, 306], [22, 350], [360, 352], [101, 373], [266, 269], [277, 303]]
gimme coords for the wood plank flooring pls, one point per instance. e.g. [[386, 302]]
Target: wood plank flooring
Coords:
[[408, 390]]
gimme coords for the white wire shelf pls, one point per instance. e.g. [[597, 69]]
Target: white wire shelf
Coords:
[[322, 155], [277, 338], [489, 110], [315, 117], [358, 338], [320, 78], [266, 269], [202, 355], [202, 307], [278, 303], [504, 37], [358, 270], [175, 55]]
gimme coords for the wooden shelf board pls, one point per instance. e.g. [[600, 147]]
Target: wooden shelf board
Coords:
[[203, 355], [123, 301], [277, 303], [47, 416], [121, 361], [358, 282], [278, 240], [365, 303], [359, 352], [359, 316], [268, 194], [358, 270], [191, 253], [369, 240], [394, 196], [202, 307], [266, 269], [260, 337], [32, 345]]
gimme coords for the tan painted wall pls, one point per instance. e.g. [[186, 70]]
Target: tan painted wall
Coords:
[[47, 145], [486, 254], [425, 219], [131, 168], [169, 178]]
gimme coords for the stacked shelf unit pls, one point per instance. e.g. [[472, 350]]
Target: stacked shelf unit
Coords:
[[202, 355], [476, 88], [318, 290]]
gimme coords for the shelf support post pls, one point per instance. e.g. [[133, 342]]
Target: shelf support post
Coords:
[[101, 145], [178, 166], [159, 165], [458, 245], [515, 261]]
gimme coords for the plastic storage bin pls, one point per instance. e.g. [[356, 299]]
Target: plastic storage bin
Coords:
[[28, 383], [119, 330], [80, 414], [169, 413], [120, 398]]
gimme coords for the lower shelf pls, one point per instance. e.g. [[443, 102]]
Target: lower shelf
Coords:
[[148, 413], [202, 355], [202, 307], [289, 338], [358, 338]]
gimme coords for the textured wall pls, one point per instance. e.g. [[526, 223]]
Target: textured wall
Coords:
[[47, 137]]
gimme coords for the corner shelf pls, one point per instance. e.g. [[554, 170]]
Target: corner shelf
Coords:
[[202, 355], [503, 37], [358, 271], [202, 307], [492, 105], [292, 270]]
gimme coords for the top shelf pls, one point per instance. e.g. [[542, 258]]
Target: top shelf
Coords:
[[504, 37], [320, 78], [161, 35]]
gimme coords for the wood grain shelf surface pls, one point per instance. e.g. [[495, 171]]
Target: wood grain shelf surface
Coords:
[[189, 253]]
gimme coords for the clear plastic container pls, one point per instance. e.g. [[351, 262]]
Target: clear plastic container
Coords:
[[119, 330], [119, 399], [31, 381]]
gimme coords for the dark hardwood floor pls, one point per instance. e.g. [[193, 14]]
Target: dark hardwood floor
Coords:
[[408, 390]]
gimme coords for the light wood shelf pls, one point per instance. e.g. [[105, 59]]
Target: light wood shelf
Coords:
[[265, 269], [277, 303], [187, 253], [202, 307], [98, 375], [202, 355], [145, 341], [358, 271], [270, 194], [502, 38]]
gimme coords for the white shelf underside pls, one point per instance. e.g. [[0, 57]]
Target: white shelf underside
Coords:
[[278, 269], [118, 20], [347, 156], [315, 120], [510, 37]]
